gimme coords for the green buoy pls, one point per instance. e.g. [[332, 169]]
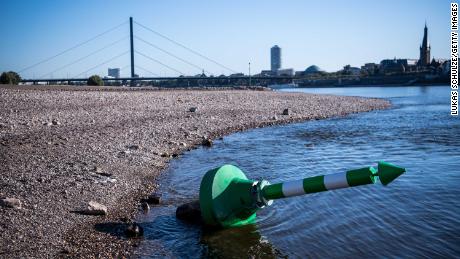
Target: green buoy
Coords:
[[229, 199]]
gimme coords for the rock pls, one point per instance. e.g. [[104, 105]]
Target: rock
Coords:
[[154, 198], [145, 206], [11, 203], [98, 170], [189, 212], [286, 112], [124, 219], [207, 142], [165, 154], [95, 208], [274, 118], [183, 144], [193, 109], [65, 250], [47, 123], [55, 122], [133, 147], [134, 230]]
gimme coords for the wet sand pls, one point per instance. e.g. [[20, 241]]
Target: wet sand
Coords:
[[61, 148]]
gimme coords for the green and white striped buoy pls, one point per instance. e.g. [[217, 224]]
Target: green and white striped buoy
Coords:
[[229, 199]]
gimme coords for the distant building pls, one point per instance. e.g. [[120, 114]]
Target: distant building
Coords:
[[398, 65], [114, 72], [425, 50], [309, 71], [267, 73], [354, 71], [370, 68], [285, 72], [313, 69], [237, 75], [275, 58]]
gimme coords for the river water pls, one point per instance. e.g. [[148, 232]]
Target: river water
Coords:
[[417, 215]]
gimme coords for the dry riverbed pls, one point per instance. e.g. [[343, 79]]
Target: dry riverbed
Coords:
[[61, 149]]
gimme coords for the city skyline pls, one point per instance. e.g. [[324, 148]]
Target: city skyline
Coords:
[[347, 34]]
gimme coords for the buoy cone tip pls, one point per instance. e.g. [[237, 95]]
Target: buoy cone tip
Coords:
[[388, 172]]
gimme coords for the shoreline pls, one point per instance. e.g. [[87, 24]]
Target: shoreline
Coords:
[[130, 135]]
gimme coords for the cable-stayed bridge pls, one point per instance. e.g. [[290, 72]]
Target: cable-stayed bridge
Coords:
[[133, 54]]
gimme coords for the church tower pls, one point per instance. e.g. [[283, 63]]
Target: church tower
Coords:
[[424, 49]]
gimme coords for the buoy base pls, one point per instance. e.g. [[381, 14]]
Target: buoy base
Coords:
[[227, 197]]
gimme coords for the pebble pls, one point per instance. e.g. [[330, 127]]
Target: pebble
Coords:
[[134, 230], [154, 198], [207, 142], [286, 112], [11, 203], [95, 208], [133, 147], [165, 154], [145, 206]]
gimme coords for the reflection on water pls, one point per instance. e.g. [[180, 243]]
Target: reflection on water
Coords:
[[417, 215]]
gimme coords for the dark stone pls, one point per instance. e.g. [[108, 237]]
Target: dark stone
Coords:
[[189, 212], [145, 206], [11, 203], [134, 230], [193, 109], [154, 198], [207, 142], [286, 112], [125, 219], [133, 147]]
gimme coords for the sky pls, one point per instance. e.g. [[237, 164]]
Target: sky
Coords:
[[329, 34]]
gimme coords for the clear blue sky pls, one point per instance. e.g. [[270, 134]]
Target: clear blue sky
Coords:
[[329, 34]]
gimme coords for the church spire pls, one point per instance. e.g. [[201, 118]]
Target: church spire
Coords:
[[425, 49], [425, 37]]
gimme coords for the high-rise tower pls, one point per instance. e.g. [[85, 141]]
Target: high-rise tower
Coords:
[[275, 58], [424, 50]]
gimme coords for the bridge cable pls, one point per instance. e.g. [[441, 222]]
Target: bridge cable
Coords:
[[146, 70], [103, 63], [72, 48], [169, 53], [159, 62], [82, 58], [185, 47]]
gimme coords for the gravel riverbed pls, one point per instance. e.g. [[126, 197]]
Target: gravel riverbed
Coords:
[[62, 147]]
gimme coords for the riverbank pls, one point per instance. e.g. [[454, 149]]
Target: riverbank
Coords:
[[61, 149]]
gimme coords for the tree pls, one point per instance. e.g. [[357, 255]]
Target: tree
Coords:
[[95, 80], [10, 78]]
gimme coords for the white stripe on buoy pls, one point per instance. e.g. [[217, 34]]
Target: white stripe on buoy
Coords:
[[293, 188], [335, 181]]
